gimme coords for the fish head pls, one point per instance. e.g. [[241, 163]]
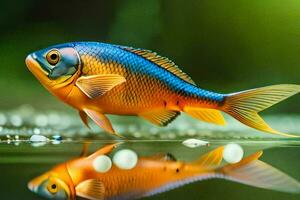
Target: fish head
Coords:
[[55, 184], [54, 65]]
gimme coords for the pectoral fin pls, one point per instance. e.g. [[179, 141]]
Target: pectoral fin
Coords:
[[160, 117], [101, 120], [97, 85], [92, 189]]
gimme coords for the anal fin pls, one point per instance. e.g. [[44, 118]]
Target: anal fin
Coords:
[[161, 117], [211, 159], [206, 114]]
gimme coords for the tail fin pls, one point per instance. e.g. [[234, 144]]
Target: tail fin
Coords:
[[253, 172], [244, 106]]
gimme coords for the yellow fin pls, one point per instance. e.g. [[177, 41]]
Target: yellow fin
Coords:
[[101, 120], [206, 114], [212, 159], [162, 62], [92, 189], [160, 117], [97, 85], [244, 106], [251, 171]]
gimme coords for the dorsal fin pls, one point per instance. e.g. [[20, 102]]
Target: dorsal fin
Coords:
[[161, 61]]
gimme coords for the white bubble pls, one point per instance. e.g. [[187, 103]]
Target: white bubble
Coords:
[[38, 138], [16, 120], [38, 144], [36, 131], [192, 143], [233, 153], [102, 164], [41, 120], [125, 159]]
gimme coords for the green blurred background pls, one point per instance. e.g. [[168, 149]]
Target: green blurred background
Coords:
[[225, 45]]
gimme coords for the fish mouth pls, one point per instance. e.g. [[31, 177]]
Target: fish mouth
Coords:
[[31, 186], [34, 66]]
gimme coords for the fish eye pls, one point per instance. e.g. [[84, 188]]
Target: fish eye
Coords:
[[53, 57], [52, 188]]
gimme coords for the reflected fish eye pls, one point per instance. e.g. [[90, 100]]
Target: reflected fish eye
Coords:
[[53, 57]]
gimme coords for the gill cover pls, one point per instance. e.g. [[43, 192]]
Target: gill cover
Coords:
[[58, 61]]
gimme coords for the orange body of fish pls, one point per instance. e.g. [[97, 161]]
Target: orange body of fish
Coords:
[[153, 175], [98, 79]]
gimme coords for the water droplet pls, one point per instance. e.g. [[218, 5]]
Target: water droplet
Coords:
[[36, 131], [192, 143], [57, 137], [102, 164], [125, 159], [38, 144], [233, 153], [38, 138]]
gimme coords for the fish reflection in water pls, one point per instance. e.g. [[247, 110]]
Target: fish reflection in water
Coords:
[[151, 175]]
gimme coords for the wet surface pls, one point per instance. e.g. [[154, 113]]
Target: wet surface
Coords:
[[22, 159]]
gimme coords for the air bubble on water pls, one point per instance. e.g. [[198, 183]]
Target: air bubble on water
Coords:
[[16, 143], [233, 153], [41, 120], [36, 131], [16, 120], [192, 143], [3, 119], [125, 159], [38, 138], [17, 137], [102, 164], [57, 137], [38, 144], [8, 136]]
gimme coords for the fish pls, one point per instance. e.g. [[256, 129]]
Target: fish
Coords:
[[152, 175], [99, 79]]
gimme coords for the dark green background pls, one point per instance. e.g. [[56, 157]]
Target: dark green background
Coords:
[[225, 45]]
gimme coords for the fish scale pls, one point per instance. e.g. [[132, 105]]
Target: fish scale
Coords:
[[143, 83]]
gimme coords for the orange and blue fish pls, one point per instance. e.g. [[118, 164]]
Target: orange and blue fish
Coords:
[[98, 79], [152, 175]]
